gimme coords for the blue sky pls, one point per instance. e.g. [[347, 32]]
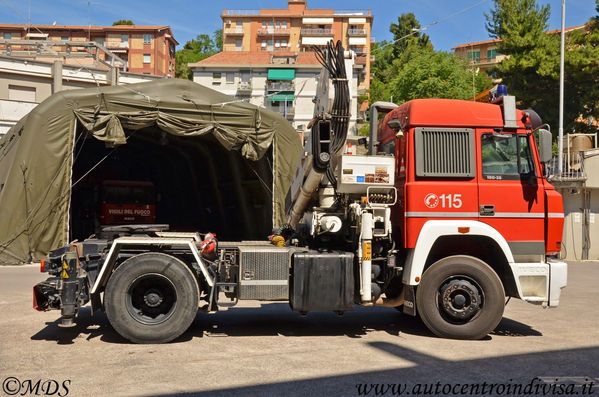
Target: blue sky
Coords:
[[189, 18]]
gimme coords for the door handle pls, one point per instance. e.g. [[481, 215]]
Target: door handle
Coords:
[[487, 210]]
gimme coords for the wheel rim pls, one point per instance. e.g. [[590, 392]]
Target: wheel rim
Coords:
[[460, 299], [151, 299]]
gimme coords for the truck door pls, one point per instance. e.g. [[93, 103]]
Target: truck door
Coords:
[[511, 194]]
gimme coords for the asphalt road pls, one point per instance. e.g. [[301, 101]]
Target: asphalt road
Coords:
[[266, 349]]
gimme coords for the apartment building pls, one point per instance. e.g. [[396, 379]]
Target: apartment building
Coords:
[[144, 49], [485, 55], [297, 28], [284, 82], [24, 83]]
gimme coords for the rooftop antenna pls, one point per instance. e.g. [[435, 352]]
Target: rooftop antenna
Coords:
[[28, 15]]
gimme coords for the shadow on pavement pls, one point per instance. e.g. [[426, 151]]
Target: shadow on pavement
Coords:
[[269, 320], [520, 374], [88, 327]]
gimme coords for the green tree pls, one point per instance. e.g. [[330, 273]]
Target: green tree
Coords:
[[390, 56], [218, 39], [436, 74], [202, 47], [531, 70], [123, 22], [406, 32], [408, 68]]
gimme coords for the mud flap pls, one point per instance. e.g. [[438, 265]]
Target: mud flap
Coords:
[[409, 305]]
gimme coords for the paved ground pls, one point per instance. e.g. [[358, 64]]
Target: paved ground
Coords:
[[269, 350]]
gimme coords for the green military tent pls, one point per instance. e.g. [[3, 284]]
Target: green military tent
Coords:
[[39, 157]]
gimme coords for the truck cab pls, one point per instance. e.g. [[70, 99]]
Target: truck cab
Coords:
[[470, 182]]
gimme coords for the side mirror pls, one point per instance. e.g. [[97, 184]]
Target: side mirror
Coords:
[[545, 145], [394, 124]]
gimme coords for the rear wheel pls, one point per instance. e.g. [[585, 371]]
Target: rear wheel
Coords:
[[151, 298], [460, 297]]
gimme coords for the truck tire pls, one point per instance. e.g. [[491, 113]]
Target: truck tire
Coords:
[[460, 297], [151, 298]]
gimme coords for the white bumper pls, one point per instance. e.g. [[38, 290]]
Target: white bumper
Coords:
[[540, 283]]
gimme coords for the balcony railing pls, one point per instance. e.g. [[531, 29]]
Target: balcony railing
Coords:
[[318, 32], [352, 12], [242, 12], [359, 50], [234, 31], [288, 112], [244, 86], [276, 32], [572, 171], [356, 32], [271, 86], [117, 44]]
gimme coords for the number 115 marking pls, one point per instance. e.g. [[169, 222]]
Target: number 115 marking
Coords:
[[451, 200]]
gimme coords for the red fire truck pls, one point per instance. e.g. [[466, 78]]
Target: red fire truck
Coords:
[[447, 216], [127, 202]]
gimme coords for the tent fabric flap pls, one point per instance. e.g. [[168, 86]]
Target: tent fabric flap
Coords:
[[36, 154]]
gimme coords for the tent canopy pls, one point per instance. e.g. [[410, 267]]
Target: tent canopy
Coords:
[[36, 155]]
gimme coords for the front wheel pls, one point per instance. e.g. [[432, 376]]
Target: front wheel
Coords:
[[151, 298], [460, 297]]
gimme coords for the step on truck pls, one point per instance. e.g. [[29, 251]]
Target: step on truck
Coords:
[[446, 216]]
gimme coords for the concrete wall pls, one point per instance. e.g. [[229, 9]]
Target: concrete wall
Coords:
[[581, 209]]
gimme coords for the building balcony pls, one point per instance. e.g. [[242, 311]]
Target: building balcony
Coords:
[[317, 32], [280, 86], [244, 87], [274, 49], [351, 12], [275, 32], [358, 50], [288, 112], [356, 32], [242, 12], [361, 59], [117, 44], [234, 31]]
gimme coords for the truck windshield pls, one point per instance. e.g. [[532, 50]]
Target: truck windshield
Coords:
[[502, 154]]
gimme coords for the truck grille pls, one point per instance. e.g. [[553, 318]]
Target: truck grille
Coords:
[[444, 152]]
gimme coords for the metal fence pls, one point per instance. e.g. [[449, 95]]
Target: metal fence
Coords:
[[572, 170]]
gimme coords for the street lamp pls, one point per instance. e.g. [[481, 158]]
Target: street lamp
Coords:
[[560, 136]]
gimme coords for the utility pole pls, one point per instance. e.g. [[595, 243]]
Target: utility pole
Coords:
[[560, 136]]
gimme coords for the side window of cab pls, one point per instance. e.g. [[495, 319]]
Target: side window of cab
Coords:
[[506, 156], [387, 147]]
